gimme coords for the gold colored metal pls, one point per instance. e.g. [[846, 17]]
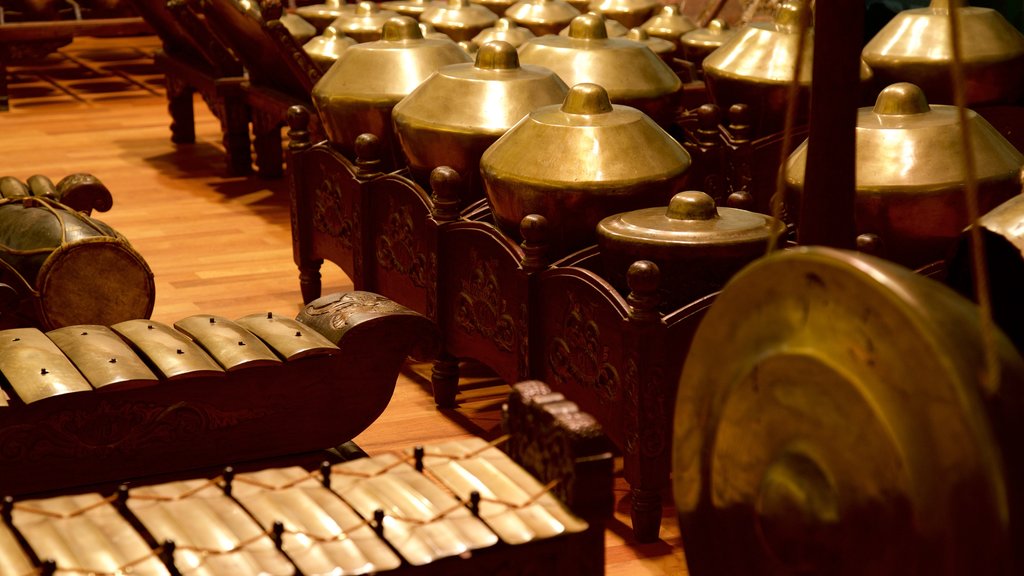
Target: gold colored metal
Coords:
[[231, 345], [663, 48], [697, 44], [669, 24], [577, 163], [428, 31], [504, 30], [1002, 232], [629, 13], [916, 46], [509, 495], [411, 8], [423, 522], [459, 19], [321, 15], [291, 340], [298, 27], [457, 113], [630, 73], [354, 97], [169, 351], [12, 559], [326, 48], [910, 174], [696, 245], [322, 533], [611, 27], [1007, 221], [35, 367], [756, 66], [542, 16], [198, 517], [365, 24], [833, 417], [101, 356], [83, 534], [499, 7]]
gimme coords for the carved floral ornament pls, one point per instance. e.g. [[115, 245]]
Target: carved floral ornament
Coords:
[[577, 355], [397, 249], [481, 307], [328, 213]]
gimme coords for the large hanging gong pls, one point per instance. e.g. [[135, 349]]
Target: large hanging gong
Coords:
[[835, 417]]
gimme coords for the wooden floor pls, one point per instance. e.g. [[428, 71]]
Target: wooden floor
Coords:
[[223, 245]]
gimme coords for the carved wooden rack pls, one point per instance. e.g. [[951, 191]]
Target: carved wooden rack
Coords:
[[503, 302]]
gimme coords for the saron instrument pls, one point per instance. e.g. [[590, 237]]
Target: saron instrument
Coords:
[[89, 403], [460, 507]]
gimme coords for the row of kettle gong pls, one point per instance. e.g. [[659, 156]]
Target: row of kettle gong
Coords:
[[752, 65], [462, 20], [579, 156]]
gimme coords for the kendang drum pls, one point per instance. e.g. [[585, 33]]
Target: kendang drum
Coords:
[[66, 267]]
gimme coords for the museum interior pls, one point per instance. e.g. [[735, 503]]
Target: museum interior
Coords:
[[715, 287]]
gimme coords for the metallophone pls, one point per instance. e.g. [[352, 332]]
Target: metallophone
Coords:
[[89, 404], [459, 507]]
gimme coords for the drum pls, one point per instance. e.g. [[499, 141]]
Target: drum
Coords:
[[68, 268]]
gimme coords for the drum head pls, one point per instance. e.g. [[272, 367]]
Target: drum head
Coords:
[[99, 280]]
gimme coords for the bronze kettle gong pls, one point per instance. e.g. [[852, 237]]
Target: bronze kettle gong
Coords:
[[910, 175], [576, 163], [462, 109]]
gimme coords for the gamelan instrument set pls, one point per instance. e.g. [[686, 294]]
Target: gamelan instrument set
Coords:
[[758, 285]]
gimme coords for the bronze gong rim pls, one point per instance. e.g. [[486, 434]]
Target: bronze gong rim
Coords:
[[830, 420]]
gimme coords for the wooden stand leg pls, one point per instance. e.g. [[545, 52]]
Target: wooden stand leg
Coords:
[[444, 379], [4, 97], [646, 514], [234, 124], [179, 104], [309, 280], [267, 142]]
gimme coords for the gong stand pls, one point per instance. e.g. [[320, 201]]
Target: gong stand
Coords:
[[192, 61], [279, 72], [499, 300]]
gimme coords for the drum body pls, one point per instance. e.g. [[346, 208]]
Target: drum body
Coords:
[[69, 268]]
